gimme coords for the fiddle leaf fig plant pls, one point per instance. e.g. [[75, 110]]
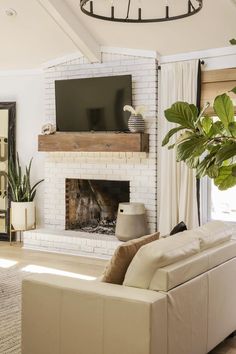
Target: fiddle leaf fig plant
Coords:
[[204, 143]]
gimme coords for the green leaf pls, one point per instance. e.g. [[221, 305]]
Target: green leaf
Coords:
[[191, 148], [35, 186], [212, 171], [213, 149], [224, 109], [170, 134], [226, 152], [207, 124], [204, 164], [192, 162], [32, 196], [234, 171], [216, 129], [232, 128], [194, 110], [184, 136], [232, 41], [226, 178], [181, 113], [233, 90], [170, 147], [19, 183]]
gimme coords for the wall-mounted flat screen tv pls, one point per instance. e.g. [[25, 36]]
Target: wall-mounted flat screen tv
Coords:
[[93, 104]]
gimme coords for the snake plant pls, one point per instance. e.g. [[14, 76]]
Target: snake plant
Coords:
[[19, 182], [207, 144]]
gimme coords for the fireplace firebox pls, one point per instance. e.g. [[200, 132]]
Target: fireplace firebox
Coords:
[[92, 205]]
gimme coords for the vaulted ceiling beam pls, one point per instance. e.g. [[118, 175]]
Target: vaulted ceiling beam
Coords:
[[69, 23]]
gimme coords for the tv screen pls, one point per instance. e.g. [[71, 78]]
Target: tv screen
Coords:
[[94, 104]]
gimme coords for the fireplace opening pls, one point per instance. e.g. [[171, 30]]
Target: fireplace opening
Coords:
[[92, 205]]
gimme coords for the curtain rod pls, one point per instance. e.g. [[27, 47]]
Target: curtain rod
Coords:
[[201, 61]]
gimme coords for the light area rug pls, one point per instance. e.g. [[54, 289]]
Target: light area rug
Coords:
[[10, 310]]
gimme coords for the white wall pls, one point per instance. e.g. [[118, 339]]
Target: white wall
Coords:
[[27, 90]]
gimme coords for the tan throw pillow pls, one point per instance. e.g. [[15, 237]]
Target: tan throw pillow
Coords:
[[120, 261]]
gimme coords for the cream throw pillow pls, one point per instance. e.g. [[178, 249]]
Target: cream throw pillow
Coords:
[[120, 261], [156, 255], [211, 234]]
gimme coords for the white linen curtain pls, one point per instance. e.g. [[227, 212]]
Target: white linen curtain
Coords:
[[177, 191]]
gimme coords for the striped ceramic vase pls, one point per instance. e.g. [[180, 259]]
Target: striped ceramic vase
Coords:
[[136, 123]]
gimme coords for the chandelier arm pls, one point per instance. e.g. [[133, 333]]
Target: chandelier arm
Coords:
[[191, 6], [191, 11], [127, 16]]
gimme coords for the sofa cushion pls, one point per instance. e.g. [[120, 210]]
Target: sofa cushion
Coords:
[[211, 234], [119, 263], [156, 255], [169, 277]]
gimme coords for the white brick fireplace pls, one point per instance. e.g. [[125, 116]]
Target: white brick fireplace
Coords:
[[140, 169]]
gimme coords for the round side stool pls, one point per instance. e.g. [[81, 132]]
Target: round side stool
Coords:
[[131, 221]]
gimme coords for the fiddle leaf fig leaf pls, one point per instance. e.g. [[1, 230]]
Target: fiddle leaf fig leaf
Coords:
[[170, 134], [232, 128], [216, 129], [182, 114], [193, 147], [233, 90], [207, 124], [192, 162], [186, 135], [234, 171], [225, 152], [226, 178], [194, 110], [170, 147], [224, 109], [213, 171], [204, 164]]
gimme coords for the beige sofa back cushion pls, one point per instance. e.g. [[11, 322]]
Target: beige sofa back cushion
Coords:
[[171, 276], [120, 261], [156, 255], [211, 234]]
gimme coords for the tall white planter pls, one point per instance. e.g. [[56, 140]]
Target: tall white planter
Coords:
[[23, 215]]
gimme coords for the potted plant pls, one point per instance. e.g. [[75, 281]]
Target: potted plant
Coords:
[[207, 144], [22, 195]]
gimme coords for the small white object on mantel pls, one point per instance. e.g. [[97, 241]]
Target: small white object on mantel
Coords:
[[48, 129], [71, 242]]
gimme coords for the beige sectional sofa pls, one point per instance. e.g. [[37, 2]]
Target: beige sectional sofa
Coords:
[[187, 306]]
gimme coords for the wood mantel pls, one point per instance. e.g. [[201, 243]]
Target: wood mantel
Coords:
[[94, 142]]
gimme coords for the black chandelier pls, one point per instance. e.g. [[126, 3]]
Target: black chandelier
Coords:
[[89, 8]]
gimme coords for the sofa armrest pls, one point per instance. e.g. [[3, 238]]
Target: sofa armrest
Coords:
[[70, 316]]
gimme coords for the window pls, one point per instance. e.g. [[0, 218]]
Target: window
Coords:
[[216, 204], [223, 204]]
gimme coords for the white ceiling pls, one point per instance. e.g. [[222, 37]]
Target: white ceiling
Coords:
[[33, 37], [30, 38]]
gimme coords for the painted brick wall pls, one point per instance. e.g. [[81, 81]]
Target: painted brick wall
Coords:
[[138, 168]]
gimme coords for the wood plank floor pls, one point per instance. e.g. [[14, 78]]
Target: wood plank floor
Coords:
[[87, 266], [81, 265]]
